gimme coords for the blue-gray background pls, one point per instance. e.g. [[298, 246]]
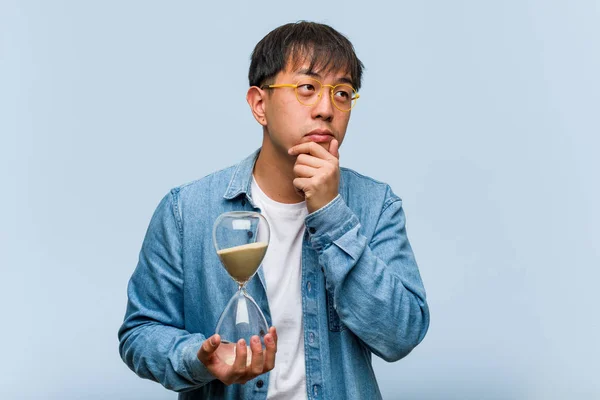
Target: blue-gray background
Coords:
[[483, 116]]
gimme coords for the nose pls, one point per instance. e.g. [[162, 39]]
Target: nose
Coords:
[[324, 108]]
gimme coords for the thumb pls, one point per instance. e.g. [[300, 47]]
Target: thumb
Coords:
[[208, 348], [334, 145]]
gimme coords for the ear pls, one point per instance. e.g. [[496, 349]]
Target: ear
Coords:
[[256, 100]]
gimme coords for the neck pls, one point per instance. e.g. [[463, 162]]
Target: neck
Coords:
[[274, 173]]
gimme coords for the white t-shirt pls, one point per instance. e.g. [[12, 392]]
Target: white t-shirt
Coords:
[[282, 267]]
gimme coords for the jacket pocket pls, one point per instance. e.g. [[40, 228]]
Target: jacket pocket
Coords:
[[335, 324]]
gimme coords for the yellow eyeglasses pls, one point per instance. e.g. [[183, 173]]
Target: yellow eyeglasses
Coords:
[[309, 92]]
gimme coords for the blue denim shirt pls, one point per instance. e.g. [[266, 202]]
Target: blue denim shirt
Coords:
[[361, 289]]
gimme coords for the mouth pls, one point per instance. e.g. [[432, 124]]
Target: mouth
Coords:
[[319, 135]]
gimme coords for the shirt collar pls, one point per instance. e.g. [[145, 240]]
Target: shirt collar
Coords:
[[242, 177]]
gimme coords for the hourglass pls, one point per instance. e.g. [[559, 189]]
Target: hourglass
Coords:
[[241, 239]]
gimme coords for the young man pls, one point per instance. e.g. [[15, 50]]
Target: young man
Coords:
[[339, 280]]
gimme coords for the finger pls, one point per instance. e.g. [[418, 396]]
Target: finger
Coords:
[[311, 161], [208, 348], [270, 351], [304, 171], [310, 148], [256, 366], [241, 358], [334, 146], [301, 184], [273, 333]]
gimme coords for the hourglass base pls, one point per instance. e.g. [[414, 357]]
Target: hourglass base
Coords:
[[241, 319]]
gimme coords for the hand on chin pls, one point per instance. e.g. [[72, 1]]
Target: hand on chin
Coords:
[[323, 143]]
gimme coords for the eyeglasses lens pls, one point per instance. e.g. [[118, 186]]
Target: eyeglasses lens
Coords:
[[308, 90]]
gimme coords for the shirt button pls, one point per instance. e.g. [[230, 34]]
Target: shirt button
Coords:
[[312, 230], [308, 286], [259, 383], [250, 234], [316, 390], [311, 337]]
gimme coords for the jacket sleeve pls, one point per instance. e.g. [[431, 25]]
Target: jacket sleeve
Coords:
[[375, 284], [153, 341]]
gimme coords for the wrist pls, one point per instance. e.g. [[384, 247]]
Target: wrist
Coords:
[[330, 222], [314, 204]]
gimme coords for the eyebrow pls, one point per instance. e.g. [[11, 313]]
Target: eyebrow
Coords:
[[313, 74]]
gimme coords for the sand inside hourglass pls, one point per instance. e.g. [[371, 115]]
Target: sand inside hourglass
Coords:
[[242, 261]]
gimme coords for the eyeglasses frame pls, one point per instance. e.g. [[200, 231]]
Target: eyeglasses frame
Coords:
[[331, 91]]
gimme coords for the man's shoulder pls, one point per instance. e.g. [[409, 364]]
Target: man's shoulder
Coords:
[[356, 183], [228, 181], [219, 177], [353, 175], [208, 187]]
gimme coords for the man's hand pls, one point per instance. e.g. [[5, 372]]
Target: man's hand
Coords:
[[317, 173], [240, 371]]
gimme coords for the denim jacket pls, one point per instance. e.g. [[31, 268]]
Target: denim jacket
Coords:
[[361, 289]]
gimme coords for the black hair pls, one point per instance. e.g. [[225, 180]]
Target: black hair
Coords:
[[325, 48]]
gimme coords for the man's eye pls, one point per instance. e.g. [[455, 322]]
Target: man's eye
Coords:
[[343, 94], [307, 87]]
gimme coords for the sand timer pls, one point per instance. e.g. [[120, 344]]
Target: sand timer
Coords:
[[241, 239]]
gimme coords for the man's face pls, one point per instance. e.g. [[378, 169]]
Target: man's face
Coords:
[[289, 122]]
